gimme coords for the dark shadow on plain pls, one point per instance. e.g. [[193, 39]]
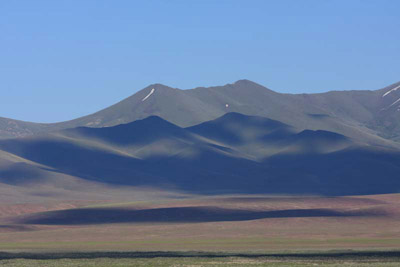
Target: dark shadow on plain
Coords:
[[87, 216]]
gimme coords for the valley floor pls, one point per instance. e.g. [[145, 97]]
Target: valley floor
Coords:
[[241, 225]]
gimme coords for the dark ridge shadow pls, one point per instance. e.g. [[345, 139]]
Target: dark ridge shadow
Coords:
[[139, 132], [318, 116], [199, 214], [231, 127], [311, 136], [341, 255]]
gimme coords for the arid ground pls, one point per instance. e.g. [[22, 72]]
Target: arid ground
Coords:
[[229, 223], [204, 231]]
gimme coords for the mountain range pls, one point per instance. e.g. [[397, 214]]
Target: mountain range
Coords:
[[237, 138], [366, 115]]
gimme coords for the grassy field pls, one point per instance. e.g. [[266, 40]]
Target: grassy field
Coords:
[[100, 259]]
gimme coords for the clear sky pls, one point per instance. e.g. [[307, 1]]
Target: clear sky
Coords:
[[64, 59]]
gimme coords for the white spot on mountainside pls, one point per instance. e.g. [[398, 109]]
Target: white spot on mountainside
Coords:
[[226, 105], [147, 96], [388, 92], [96, 122]]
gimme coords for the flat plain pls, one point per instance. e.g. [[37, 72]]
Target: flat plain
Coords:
[[255, 230], [216, 259]]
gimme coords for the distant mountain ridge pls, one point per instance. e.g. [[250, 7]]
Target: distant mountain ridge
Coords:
[[369, 116]]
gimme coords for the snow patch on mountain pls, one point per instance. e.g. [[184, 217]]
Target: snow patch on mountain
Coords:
[[398, 100], [151, 92], [392, 90]]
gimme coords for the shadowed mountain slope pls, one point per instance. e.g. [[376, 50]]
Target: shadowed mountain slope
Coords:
[[172, 104], [142, 131], [235, 128], [262, 137], [150, 137], [25, 181], [262, 156]]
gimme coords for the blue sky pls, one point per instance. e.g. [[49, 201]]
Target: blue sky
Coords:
[[64, 59]]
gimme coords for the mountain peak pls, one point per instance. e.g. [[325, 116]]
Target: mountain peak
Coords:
[[247, 84], [158, 86], [244, 81]]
